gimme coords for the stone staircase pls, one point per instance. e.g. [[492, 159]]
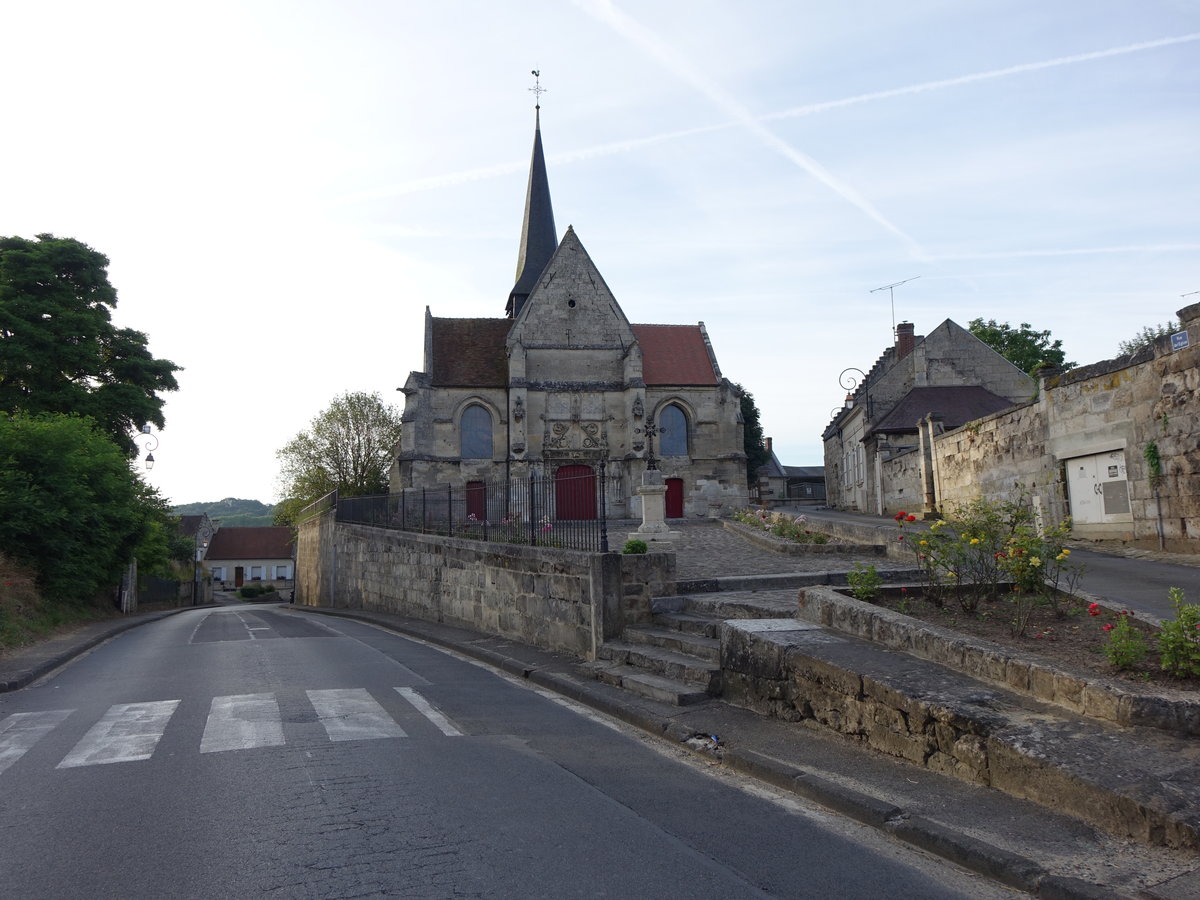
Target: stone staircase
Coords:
[[676, 657]]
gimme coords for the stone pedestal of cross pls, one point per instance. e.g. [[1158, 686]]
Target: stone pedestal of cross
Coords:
[[654, 529]]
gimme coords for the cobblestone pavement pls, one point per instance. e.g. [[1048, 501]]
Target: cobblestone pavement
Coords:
[[707, 550]]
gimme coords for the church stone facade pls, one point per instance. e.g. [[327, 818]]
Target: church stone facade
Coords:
[[564, 385]]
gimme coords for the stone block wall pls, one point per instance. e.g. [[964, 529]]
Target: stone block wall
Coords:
[[562, 600]]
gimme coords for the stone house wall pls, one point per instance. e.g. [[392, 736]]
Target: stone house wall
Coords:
[[1112, 411]]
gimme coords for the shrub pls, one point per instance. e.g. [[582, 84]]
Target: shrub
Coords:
[[864, 583], [250, 591], [635, 546], [1126, 646], [1179, 638]]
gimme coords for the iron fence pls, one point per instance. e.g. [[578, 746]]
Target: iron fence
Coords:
[[565, 510]]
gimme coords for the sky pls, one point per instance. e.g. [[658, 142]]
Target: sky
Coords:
[[283, 186]]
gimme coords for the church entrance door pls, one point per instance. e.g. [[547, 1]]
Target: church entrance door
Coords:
[[575, 492], [674, 498]]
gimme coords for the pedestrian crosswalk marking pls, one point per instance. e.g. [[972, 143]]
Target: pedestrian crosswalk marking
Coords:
[[425, 708], [132, 731], [21, 731], [242, 722], [127, 732], [352, 714]]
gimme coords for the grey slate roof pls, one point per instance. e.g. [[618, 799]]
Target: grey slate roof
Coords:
[[958, 405], [539, 239]]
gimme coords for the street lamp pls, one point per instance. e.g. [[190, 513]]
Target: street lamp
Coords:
[[151, 445]]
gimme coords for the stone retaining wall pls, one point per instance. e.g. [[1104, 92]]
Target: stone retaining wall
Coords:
[[1100, 698], [563, 600]]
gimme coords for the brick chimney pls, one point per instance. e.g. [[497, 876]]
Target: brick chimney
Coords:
[[768, 445], [905, 340]]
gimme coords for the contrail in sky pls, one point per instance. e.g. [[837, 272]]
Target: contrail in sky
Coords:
[[1080, 251], [626, 146], [811, 108], [634, 32]]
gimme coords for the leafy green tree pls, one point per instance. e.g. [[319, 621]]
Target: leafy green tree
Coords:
[[755, 443], [71, 507], [347, 447], [59, 350], [1025, 348], [1147, 335]]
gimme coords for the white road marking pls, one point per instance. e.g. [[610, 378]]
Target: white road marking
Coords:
[[20, 731], [352, 714], [425, 708], [241, 722], [127, 732]]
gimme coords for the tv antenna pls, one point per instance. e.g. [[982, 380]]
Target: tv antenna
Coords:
[[892, 297]]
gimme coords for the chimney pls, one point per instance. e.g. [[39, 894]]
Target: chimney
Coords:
[[768, 445], [905, 340]]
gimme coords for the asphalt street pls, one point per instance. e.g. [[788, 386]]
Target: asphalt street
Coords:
[[243, 751]]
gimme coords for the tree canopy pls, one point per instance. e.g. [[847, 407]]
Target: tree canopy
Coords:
[[754, 442], [72, 509], [1024, 347], [347, 447], [1147, 335], [59, 350]]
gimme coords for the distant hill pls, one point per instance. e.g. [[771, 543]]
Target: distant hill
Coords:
[[230, 511]]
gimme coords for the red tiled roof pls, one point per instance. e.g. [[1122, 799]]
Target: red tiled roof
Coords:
[[251, 542], [674, 355], [469, 352]]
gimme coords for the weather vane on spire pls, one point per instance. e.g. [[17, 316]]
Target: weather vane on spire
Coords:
[[537, 88]]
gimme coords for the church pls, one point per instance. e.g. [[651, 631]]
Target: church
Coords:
[[566, 387]]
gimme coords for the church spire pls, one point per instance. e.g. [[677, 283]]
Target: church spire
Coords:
[[538, 237]]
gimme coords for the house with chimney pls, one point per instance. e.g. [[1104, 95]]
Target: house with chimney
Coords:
[[922, 385], [564, 387]]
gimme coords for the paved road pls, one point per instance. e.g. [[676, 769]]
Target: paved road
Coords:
[[245, 751]]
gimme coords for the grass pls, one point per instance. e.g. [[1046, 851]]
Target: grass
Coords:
[[26, 617]]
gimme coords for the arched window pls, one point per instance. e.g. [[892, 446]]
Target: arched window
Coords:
[[672, 432], [475, 433]]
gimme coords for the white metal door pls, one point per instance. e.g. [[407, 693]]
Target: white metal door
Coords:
[[1098, 488]]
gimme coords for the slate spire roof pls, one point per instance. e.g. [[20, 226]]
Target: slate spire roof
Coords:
[[538, 236]]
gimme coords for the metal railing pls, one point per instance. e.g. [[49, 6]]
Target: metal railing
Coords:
[[564, 510]]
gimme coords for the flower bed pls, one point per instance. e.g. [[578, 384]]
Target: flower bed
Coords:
[[1077, 636]]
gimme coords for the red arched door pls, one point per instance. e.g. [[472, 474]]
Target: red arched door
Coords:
[[674, 500], [575, 492]]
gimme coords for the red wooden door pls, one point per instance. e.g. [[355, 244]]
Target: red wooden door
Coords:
[[476, 502], [575, 492], [674, 500]]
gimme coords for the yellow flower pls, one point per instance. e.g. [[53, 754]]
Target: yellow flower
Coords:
[[1065, 552], [1061, 557], [924, 543], [1035, 561], [974, 540]]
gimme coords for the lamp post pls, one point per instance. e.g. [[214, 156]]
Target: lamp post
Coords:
[[203, 534], [849, 383], [151, 444]]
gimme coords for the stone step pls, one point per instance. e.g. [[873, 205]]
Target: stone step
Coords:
[[690, 623], [665, 663], [1133, 781], [704, 648], [644, 684], [743, 605]]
